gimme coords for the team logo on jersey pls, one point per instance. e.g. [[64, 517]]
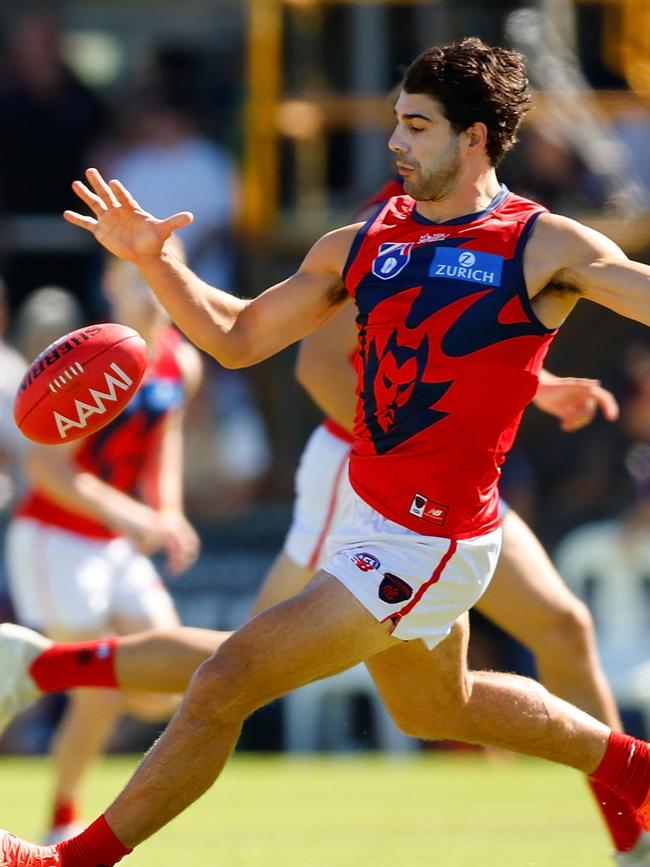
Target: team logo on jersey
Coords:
[[394, 589], [428, 510], [469, 265], [365, 562], [391, 259]]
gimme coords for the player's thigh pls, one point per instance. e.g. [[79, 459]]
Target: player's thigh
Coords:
[[284, 578], [319, 632], [140, 599], [59, 581], [527, 596], [319, 493], [421, 688]]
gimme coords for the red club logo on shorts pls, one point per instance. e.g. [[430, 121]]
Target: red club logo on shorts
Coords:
[[394, 589]]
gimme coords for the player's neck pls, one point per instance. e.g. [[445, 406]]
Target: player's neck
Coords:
[[471, 195]]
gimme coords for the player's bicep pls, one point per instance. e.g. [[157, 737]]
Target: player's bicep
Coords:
[[577, 262], [619, 284]]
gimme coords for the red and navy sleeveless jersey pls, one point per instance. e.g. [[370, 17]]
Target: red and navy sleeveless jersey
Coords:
[[449, 356], [121, 454]]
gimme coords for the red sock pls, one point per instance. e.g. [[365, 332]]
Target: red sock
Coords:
[[66, 666], [64, 813], [620, 819], [94, 846], [625, 768]]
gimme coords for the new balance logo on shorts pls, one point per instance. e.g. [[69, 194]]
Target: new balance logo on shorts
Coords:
[[428, 510], [365, 562], [394, 589]]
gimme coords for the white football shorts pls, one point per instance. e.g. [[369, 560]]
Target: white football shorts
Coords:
[[422, 584], [321, 479], [63, 580]]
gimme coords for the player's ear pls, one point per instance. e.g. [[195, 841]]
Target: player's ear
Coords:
[[476, 136]]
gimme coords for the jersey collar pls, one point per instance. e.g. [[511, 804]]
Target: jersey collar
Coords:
[[466, 218]]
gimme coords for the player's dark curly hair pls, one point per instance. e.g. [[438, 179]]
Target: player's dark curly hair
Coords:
[[475, 82]]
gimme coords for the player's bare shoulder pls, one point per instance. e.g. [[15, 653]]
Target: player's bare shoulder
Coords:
[[332, 250], [556, 254], [327, 258]]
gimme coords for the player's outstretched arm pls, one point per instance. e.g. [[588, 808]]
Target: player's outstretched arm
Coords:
[[235, 331], [573, 400]]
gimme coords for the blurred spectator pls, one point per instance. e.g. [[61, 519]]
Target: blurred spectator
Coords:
[[48, 313], [170, 166], [636, 416], [49, 121], [45, 315], [12, 442]]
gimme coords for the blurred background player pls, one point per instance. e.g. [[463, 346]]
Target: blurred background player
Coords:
[[79, 542]]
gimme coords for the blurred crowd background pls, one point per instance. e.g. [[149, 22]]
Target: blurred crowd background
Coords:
[[269, 120]]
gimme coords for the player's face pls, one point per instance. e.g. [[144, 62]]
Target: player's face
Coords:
[[427, 149], [131, 300]]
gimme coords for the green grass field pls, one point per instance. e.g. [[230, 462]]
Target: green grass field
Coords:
[[423, 810]]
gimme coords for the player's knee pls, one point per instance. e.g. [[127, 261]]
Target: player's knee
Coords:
[[222, 689]]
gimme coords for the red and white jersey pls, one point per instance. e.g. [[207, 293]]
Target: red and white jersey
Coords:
[[122, 453], [449, 356]]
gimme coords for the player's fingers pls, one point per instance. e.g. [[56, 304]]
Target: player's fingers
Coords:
[[79, 220], [93, 201], [176, 221], [122, 195], [607, 403], [100, 186]]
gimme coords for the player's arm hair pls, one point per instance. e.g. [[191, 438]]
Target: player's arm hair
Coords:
[[595, 268], [240, 332], [324, 370]]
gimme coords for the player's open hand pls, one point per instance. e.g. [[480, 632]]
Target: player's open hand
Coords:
[[120, 224], [575, 401]]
